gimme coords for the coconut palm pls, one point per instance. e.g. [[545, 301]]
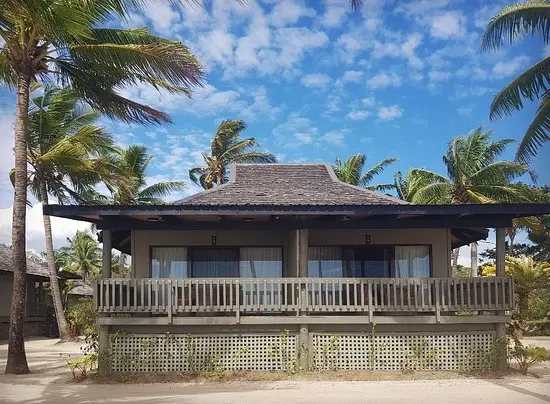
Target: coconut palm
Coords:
[[83, 255], [528, 275], [227, 147], [63, 40], [134, 162], [474, 176], [515, 23], [67, 155], [351, 172]]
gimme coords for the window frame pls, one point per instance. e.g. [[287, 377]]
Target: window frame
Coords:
[[228, 247], [392, 253]]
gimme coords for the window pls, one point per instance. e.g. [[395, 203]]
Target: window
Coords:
[[325, 262], [265, 262], [368, 262], [169, 262], [372, 261], [412, 261], [214, 262]]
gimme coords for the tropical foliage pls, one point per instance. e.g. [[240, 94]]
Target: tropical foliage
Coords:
[[528, 275], [351, 172], [67, 155], [64, 40], [227, 147], [513, 23], [134, 162], [82, 255], [474, 175]]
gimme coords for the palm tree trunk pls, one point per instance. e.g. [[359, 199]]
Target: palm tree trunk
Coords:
[[454, 260], [17, 360], [473, 259], [64, 329], [122, 265]]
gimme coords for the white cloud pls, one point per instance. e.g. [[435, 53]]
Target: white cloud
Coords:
[[358, 115], [353, 76], [447, 25], [389, 113], [335, 11], [462, 92], [438, 75], [289, 12], [465, 110], [163, 16], [61, 228], [511, 67], [296, 131], [382, 80], [368, 101], [333, 138], [406, 50], [317, 80]]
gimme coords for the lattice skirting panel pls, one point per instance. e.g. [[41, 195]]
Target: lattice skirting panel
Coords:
[[401, 351], [184, 353]]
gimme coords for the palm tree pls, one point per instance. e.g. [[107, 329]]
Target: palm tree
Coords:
[[83, 255], [67, 156], [226, 148], [134, 161], [63, 40], [528, 277], [512, 23], [474, 176], [351, 172]]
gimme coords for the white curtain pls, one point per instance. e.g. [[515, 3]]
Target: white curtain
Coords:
[[169, 262], [261, 262], [325, 262], [412, 261]]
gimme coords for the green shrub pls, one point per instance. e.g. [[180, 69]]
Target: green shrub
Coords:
[[527, 356], [83, 314], [83, 364]]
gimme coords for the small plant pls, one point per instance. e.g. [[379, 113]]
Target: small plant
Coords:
[[527, 356], [83, 364]]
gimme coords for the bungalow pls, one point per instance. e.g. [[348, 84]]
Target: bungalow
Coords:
[[37, 303], [285, 266]]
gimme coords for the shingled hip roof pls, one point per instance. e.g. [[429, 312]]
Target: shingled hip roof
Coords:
[[287, 185]]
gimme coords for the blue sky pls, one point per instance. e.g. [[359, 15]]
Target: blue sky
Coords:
[[315, 81]]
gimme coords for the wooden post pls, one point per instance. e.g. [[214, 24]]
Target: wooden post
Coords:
[[303, 347], [501, 271], [104, 365]]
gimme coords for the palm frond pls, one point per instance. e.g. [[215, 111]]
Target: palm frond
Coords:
[[160, 190], [537, 133], [499, 172], [381, 187], [528, 85], [254, 157], [376, 170], [515, 21], [435, 193]]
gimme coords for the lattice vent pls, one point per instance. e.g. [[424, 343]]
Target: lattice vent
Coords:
[[453, 351], [183, 353]]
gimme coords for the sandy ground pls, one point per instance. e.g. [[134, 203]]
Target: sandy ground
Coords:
[[51, 382]]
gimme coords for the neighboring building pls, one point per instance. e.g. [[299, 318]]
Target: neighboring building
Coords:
[[79, 291], [286, 266], [35, 304], [39, 318]]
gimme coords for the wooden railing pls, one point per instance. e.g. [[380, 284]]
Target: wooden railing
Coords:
[[303, 295]]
